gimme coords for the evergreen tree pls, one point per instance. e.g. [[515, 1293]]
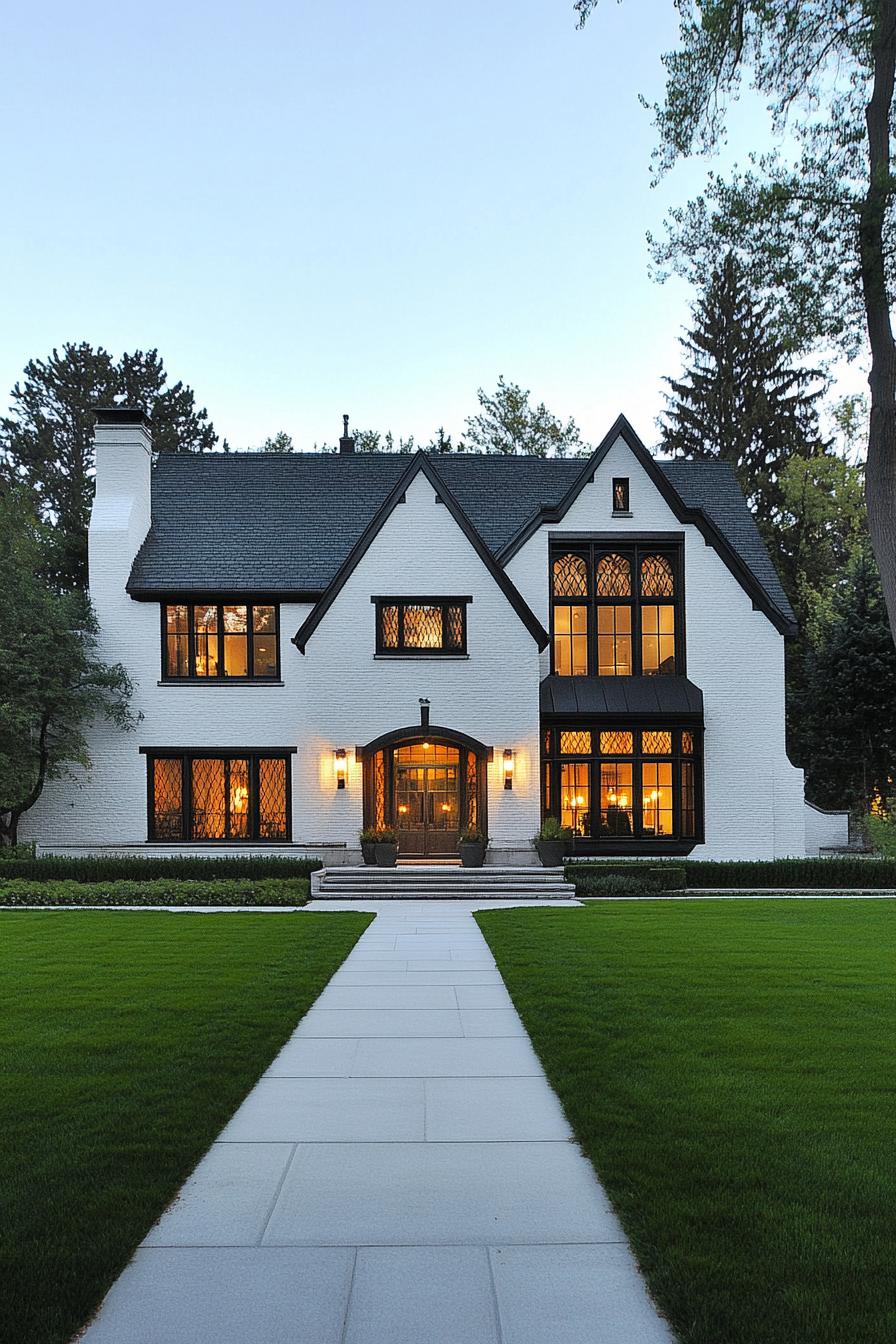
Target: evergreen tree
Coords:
[[46, 441], [741, 398], [850, 676]]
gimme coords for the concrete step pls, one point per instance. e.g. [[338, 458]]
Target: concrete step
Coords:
[[440, 882]]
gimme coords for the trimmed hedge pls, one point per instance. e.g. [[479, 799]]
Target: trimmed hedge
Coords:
[[160, 891], [138, 869], [625, 879], [840, 873]]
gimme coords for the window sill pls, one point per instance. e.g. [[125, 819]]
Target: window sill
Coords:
[[256, 685], [622, 513], [416, 657]]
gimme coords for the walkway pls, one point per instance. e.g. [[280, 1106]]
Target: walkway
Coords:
[[402, 1174]]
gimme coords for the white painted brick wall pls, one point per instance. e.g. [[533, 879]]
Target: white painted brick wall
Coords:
[[340, 695]]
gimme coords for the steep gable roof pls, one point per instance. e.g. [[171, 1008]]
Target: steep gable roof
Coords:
[[284, 524], [420, 462]]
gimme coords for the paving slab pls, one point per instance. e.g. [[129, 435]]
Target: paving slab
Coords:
[[493, 1109], [314, 1057], [491, 1022], [334, 1110], [381, 1022], [228, 1199], [339, 995], [228, 1296], [483, 996], [469, 1057], [426, 1194], [422, 1295], [572, 1294]]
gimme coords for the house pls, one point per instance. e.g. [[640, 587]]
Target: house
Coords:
[[321, 642]]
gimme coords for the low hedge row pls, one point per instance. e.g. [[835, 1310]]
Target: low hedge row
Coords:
[[635, 879], [139, 869], [159, 891], [840, 873]]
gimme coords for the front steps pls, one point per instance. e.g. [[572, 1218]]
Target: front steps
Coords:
[[440, 883]]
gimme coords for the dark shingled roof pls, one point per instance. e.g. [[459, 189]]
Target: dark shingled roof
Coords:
[[626, 696], [283, 523]]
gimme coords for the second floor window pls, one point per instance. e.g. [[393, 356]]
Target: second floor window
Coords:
[[421, 626], [220, 640], [615, 611]]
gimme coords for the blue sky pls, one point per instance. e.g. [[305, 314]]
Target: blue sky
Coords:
[[312, 208]]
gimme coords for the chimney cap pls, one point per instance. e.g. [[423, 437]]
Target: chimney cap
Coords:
[[121, 415]]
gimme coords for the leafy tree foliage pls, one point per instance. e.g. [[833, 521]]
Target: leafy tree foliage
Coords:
[[815, 226], [281, 442], [741, 397], [508, 423], [51, 681], [46, 441], [850, 722]]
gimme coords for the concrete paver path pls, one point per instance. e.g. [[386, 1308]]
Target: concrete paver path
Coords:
[[401, 1174]]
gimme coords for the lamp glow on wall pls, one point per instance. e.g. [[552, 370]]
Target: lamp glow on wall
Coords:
[[508, 767], [340, 767]]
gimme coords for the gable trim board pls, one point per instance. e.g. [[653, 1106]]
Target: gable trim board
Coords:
[[621, 429], [420, 462]]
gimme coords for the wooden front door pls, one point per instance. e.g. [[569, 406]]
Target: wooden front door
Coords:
[[427, 800]]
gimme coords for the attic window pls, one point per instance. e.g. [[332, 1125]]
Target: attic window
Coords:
[[620, 494]]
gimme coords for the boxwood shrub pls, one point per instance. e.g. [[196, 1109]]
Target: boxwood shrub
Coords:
[[135, 868], [158, 891], [624, 879]]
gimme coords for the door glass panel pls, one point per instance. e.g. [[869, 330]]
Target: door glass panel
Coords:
[[616, 814]]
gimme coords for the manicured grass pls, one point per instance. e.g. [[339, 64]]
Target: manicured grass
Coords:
[[728, 1066], [126, 1042]]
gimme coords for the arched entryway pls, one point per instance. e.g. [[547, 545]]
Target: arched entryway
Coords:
[[428, 784]]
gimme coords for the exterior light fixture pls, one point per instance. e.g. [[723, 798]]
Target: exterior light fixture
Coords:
[[508, 767], [340, 767]]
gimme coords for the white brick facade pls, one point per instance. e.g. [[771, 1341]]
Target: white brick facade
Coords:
[[338, 694]]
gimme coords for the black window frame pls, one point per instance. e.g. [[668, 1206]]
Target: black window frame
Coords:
[[620, 493], [186, 755], [637, 843], [400, 650], [634, 549], [191, 603]]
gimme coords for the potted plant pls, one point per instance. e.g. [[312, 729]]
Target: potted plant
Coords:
[[551, 842], [368, 844], [471, 847], [386, 849]]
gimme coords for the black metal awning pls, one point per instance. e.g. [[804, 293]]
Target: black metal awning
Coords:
[[672, 699]]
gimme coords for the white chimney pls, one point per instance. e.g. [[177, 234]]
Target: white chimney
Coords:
[[120, 517]]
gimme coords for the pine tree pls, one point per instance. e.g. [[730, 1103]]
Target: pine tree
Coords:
[[741, 398], [46, 441], [850, 721]]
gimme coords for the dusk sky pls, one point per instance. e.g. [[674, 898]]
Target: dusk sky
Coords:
[[372, 208]]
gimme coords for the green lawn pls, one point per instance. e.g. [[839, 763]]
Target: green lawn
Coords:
[[126, 1042], [728, 1066]]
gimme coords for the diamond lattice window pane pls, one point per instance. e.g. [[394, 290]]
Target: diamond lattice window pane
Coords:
[[389, 625], [575, 744], [656, 744], [454, 628], [687, 743], [616, 743], [656, 577], [167, 800], [272, 799], [614, 576], [423, 627], [472, 791], [379, 790], [570, 576], [238, 799], [207, 792]]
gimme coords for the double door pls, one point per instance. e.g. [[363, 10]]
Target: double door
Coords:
[[427, 803]]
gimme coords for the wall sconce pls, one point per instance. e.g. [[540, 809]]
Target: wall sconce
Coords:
[[340, 767], [508, 767]]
